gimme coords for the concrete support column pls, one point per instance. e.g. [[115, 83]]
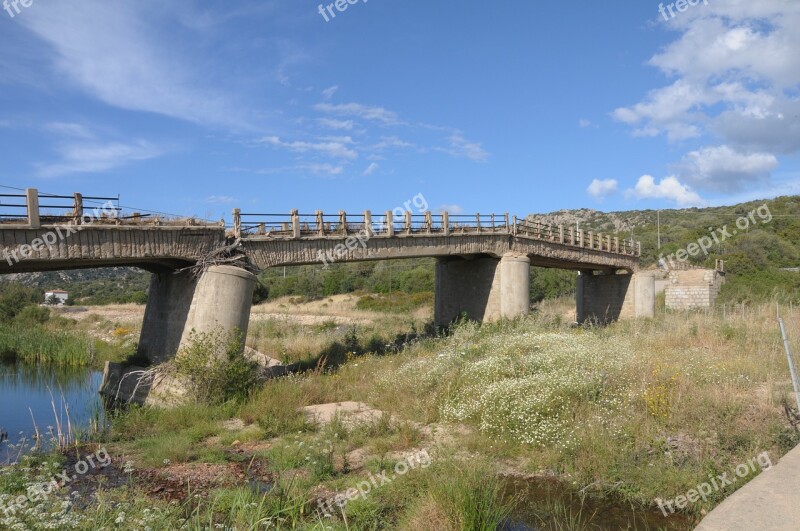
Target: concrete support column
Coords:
[[606, 298], [178, 304], [222, 299], [168, 304], [483, 288], [645, 295], [515, 286]]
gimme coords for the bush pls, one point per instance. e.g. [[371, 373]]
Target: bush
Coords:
[[14, 298], [214, 367], [32, 315], [395, 302]]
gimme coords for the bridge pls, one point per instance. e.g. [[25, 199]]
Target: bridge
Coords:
[[204, 272]]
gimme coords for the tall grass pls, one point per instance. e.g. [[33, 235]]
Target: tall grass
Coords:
[[38, 344]]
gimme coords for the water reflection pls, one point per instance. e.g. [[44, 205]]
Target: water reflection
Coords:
[[48, 398]]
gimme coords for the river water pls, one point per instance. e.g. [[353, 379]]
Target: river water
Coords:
[[45, 397]]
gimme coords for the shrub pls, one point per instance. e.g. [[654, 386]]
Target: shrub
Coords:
[[32, 315], [214, 368]]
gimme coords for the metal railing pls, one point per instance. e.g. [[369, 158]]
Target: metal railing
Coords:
[[319, 225]]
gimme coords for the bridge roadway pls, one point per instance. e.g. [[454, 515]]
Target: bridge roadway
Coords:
[[483, 261]]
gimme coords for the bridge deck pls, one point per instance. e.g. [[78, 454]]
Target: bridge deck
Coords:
[[106, 238]]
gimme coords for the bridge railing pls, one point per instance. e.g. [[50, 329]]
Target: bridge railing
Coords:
[[33, 210], [578, 237], [296, 226]]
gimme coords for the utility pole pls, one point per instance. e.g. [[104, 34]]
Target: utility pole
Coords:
[[658, 224]]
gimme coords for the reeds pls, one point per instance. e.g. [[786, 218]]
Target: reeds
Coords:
[[36, 344]]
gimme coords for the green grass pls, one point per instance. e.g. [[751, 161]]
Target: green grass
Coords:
[[38, 344]]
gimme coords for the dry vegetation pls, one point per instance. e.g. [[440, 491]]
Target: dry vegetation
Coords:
[[636, 411]]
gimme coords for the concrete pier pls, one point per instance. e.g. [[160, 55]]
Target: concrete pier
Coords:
[[483, 288], [605, 298], [222, 299], [179, 304]]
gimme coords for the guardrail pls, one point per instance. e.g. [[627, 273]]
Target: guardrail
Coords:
[[32, 210], [319, 225]]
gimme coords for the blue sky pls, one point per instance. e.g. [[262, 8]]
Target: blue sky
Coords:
[[197, 107]]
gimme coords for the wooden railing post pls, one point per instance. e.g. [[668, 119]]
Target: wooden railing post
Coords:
[[428, 222], [580, 237], [262, 229], [446, 223], [514, 230], [389, 223], [77, 209], [508, 227], [591, 239], [295, 224], [408, 222], [343, 221], [320, 222], [32, 201], [237, 223], [616, 245], [561, 234], [478, 220], [368, 223]]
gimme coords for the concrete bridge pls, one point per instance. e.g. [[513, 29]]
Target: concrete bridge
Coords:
[[203, 273]]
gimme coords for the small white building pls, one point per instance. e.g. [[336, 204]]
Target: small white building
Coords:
[[60, 295]]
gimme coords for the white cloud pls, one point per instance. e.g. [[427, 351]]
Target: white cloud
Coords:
[[372, 168], [460, 147], [111, 51], [722, 168], [329, 92], [334, 147], [343, 125], [392, 142], [323, 169], [601, 188], [94, 156], [221, 199], [450, 209], [669, 188], [73, 130], [734, 71], [366, 112], [584, 124]]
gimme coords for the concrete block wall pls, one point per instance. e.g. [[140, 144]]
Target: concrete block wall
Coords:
[[694, 289]]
